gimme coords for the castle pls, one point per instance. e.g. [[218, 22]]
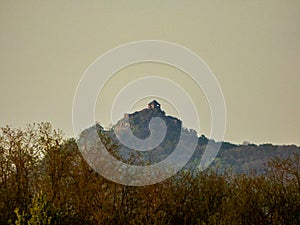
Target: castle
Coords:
[[153, 105]]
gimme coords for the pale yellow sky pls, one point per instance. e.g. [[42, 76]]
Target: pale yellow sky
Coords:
[[253, 47]]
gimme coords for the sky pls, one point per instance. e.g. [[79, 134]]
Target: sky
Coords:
[[253, 48]]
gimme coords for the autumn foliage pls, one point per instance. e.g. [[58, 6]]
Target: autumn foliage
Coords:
[[45, 180]]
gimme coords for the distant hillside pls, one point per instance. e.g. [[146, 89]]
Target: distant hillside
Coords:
[[238, 158]]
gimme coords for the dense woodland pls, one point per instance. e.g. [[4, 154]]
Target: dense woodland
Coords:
[[45, 180]]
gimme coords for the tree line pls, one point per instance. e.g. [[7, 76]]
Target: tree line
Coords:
[[45, 180]]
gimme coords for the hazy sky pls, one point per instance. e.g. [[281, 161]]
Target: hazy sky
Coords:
[[253, 47]]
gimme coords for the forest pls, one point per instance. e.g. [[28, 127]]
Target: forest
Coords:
[[45, 180]]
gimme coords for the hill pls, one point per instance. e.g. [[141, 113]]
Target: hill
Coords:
[[238, 158]]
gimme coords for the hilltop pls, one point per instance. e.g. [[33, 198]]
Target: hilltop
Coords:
[[239, 158]]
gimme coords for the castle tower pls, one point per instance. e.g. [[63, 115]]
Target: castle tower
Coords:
[[153, 105]]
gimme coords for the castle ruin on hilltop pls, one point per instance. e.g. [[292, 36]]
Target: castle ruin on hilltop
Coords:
[[153, 105]]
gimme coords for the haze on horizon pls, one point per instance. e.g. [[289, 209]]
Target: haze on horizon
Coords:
[[252, 47]]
